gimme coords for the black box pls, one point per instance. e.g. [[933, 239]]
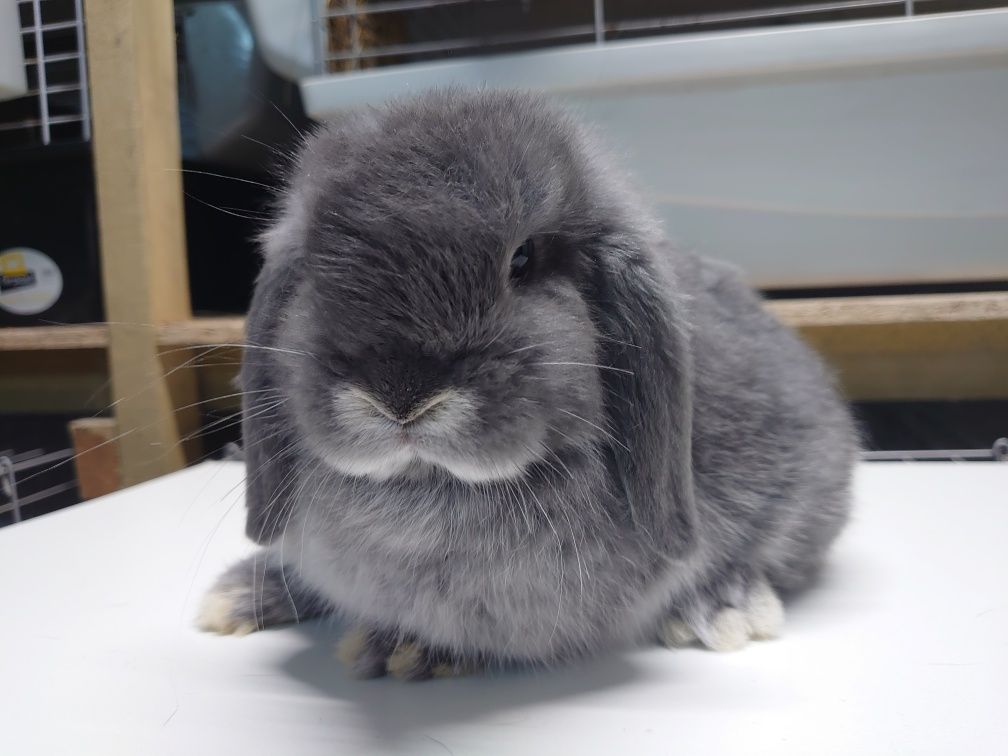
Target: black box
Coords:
[[48, 200]]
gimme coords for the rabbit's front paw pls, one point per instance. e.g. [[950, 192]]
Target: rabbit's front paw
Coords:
[[226, 612], [368, 653], [252, 595], [726, 628]]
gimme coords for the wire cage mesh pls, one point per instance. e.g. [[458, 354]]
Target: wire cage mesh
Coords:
[[55, 109], [15, 505], [360, 34]]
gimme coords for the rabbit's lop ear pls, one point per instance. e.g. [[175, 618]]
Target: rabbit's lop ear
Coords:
[[266, 432], [646, 344], [269, 482]]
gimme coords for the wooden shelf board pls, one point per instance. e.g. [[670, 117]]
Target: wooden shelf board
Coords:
[[825, 312], [56, 337], [928, 346], [203, 332], [195, 332], [890, 310]]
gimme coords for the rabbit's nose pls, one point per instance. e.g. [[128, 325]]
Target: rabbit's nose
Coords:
[[403, 415], [403, 389]]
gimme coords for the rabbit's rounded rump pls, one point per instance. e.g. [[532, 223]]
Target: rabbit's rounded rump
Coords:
[[491, 415]]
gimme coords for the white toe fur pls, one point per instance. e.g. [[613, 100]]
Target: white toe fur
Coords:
[[451, 670], [727, 631], [764, 612], [217, 615], [675, 633], [351, 647], [760, 618], [406, 658]]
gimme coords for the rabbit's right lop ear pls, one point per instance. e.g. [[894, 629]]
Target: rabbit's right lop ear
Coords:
[[649, 396], [267, 438], [269, 484]]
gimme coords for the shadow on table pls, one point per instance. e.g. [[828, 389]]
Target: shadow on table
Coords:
[[392, 710]]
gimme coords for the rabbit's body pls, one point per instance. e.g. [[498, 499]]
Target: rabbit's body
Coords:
[[637, 452]]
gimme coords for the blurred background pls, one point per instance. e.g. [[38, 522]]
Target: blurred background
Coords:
[[850, 156]]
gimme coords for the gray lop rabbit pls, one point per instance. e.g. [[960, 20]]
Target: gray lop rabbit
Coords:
[[491, 417]]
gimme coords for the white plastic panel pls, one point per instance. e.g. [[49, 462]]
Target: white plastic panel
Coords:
[[819, 155], [12, 73], [284, 30]]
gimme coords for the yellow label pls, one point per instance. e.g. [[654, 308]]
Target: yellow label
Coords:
[[30, 281], [13, 264]]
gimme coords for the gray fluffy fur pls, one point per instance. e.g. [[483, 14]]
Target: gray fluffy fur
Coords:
[[628, 436]]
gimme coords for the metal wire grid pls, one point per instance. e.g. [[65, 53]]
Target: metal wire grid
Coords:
[[11, 464], [352, 18], [42, 23]]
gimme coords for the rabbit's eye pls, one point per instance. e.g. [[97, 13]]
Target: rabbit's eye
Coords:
[[521, 260]]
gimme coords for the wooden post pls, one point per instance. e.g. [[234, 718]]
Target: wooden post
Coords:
[[96, 457], [131, 65]]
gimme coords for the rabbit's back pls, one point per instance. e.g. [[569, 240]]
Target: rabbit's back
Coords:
[[773, 443]]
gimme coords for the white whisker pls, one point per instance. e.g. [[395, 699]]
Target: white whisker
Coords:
[[246, 215], [599, 428], [559, 544], [617, 341], [220, 175], [588, 364], [527, 348]]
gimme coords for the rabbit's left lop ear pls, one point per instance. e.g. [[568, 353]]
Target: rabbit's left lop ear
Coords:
[[267, 436], [650, 395]]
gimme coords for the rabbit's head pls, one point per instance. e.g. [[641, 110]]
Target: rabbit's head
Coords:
[[456, 287]]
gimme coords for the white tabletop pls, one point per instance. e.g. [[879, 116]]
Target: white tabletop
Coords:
[[903, 648]]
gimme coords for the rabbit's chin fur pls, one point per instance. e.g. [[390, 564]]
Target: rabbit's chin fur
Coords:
[[414, 451], [411, 463], [491, 416]]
